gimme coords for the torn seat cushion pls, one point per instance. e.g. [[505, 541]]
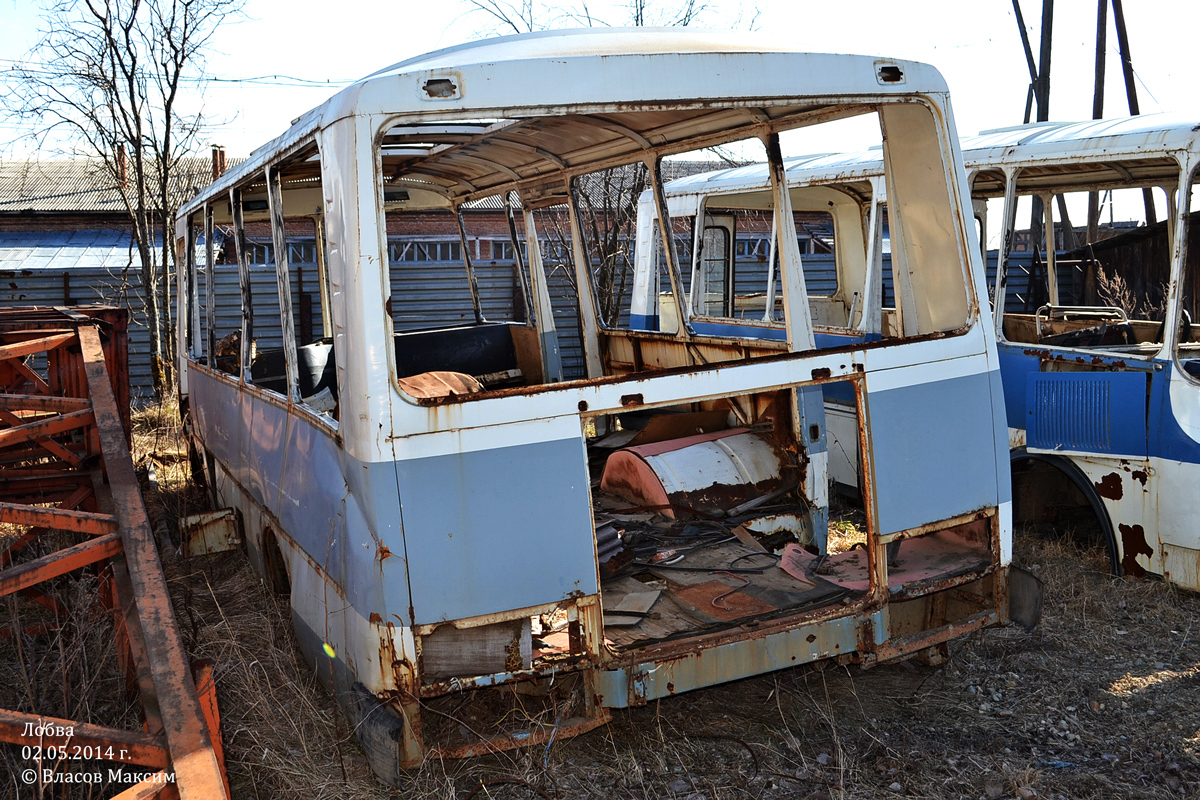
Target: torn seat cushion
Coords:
[[439, 384]]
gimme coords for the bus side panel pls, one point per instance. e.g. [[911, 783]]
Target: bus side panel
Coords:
[[934, 451], [318, 521], [1174, 426], [1014, 366], [497, 529]]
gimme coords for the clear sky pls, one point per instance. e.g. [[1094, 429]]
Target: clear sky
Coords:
[[975, 43]]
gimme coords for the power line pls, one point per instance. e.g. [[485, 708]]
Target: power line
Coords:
[[41, 71]]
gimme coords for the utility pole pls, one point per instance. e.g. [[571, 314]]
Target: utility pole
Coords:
[[1039, 90], [1093, 220], [1131, 91], [1043, 73]]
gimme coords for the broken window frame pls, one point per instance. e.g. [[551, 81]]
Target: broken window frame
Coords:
[[1185, 280], [1051, 194]]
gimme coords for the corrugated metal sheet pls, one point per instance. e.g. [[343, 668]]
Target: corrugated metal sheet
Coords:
[[80, 267], [429, 294]]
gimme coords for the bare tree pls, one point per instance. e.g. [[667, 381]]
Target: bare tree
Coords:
[[525, 16], [105, 82]]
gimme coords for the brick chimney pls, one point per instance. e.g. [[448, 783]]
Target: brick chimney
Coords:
[[218, 161]]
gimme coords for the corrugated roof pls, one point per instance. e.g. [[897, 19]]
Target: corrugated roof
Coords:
[[81, 185], [60, 250]]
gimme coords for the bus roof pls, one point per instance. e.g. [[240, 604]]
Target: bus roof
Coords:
[[1148, 140], [1120, 136], [476, 117]]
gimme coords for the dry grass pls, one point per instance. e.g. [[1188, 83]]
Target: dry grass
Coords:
[[1103, 701], [70, 671]]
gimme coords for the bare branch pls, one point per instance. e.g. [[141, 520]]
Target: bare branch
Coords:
[[104, 82]]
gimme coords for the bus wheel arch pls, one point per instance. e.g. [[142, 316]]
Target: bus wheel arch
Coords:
[[275, 570], [1063, 474]]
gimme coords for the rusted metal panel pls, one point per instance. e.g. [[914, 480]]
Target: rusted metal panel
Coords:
[[657, 678], [711, 470], [209, 532]]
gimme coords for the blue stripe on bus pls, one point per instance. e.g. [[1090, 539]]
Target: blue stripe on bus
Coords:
[[935, 451], [494, 530]]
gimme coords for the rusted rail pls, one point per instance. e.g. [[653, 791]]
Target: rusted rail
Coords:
[[65, 466]]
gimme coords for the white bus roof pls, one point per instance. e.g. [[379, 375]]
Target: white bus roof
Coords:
[[1144, 143], [483, 115]]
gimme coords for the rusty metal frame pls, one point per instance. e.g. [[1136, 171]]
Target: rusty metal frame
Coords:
[[65, 442]]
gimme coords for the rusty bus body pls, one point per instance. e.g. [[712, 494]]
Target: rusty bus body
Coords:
[[1101, 383], [480, 554], [1099, 354]]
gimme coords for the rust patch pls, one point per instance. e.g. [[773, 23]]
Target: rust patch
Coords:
[[1133, 543], [632, 399], [823, 372], [670, 688], [1110, 486], [375, 619], [1140, 475], [382, 552]]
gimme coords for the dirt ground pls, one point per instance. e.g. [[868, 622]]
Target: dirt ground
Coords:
[[1102, 701]]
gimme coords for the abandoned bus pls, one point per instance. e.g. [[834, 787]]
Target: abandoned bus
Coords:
[[497, 519], [1098, 350], [1100, 389]]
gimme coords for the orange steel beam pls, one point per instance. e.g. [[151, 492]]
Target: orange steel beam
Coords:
[[51, 446], [12, 475], [41, 402], [197, 771], [46, 427], [126, 619], [206, 688], [128, 747], [60, 562], [28, 348], [30, 630], [36, 331], [58, 518], [72, 501], [45, 601], [28, 374], [76, 498]]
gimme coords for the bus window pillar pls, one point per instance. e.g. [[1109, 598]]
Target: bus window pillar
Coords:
[[797, 314], [1007, 240], [282, 276], [588, 317], [670, 254], [871, 317], [243, 257], [543, 310]]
